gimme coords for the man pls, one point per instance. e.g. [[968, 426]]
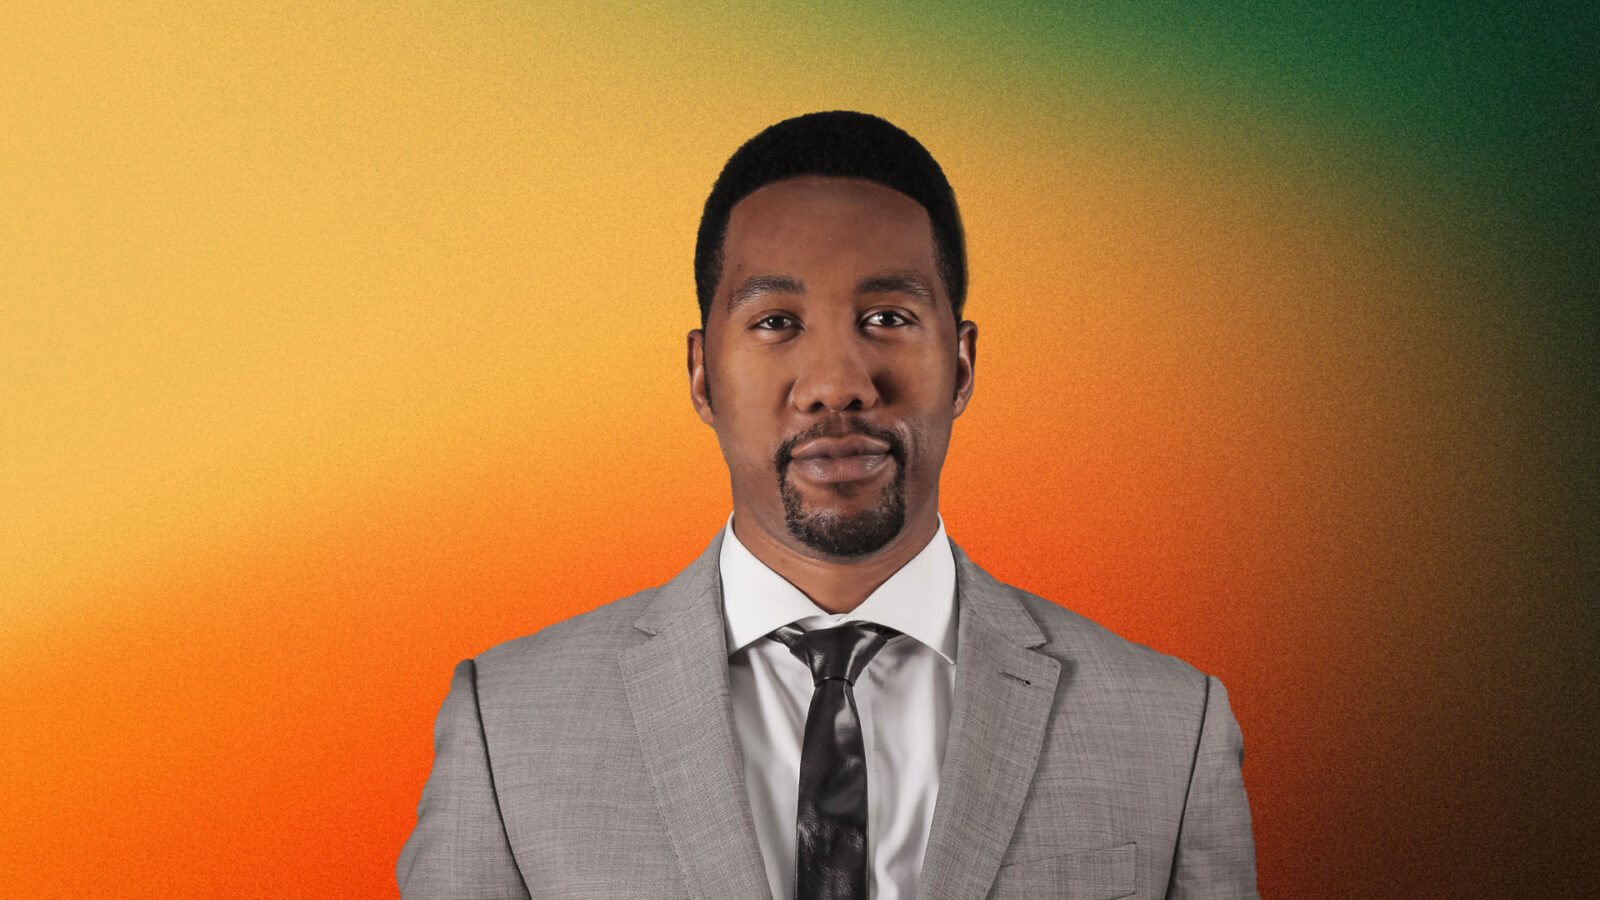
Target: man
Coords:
[[832, 701]]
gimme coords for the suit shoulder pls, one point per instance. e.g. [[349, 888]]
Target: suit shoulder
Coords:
[[598, 633], [1118, 660]]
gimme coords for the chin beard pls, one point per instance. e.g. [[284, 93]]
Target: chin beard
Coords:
[[845, 536]]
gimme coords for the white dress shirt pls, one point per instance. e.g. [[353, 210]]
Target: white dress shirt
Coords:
[[903, 698]]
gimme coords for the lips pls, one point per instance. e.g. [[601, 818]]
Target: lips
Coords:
[[840, 447], [841, 460]]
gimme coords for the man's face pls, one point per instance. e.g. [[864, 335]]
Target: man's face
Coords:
[[831, 364]]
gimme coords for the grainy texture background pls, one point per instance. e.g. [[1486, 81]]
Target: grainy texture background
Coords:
[[340, 343]]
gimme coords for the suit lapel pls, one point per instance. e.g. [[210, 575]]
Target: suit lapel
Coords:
[[1004, 693], [677, 684]]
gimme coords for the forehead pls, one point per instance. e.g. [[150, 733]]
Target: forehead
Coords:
[[813, 225]]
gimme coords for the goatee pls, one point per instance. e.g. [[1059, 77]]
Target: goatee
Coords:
[[845, 535]]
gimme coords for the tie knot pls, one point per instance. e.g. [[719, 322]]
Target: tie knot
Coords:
[[841, 652]]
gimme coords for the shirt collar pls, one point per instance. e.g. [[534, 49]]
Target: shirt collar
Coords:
[[919, 600]]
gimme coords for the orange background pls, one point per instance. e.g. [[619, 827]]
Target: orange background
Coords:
[[339, 344]]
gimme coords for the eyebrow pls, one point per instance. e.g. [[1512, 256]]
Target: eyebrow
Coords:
[[896, 283], [760, 285]]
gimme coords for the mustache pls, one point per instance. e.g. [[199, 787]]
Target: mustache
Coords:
[[841, 428]]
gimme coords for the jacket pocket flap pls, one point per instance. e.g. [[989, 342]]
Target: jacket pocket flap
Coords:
[[1073, 874]]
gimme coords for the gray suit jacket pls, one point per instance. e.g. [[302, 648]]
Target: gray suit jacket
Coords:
[[598, 759]]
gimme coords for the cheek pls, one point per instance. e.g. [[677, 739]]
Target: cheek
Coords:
[[930, 437], [928, 393], [746, 378], [930, 414], [746, 428], [921, 377]]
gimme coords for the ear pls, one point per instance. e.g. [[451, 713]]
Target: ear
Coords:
[[966, 359], [699, 393]]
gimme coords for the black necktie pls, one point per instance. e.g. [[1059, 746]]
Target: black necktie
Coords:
[[831, 819]]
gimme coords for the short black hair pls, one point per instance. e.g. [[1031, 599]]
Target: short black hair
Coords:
[[837, 144]]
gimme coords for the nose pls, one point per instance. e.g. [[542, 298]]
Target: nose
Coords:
[[835, 376]]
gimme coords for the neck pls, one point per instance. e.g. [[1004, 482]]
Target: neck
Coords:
[[837, 586]]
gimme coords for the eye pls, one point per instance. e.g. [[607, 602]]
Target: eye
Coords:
[[886, 318], [774, 322]]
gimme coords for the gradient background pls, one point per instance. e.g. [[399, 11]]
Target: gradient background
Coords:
[[339, 343]]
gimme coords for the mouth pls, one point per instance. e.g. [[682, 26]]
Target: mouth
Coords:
[[840, 469], [840, 447], [840, 460]]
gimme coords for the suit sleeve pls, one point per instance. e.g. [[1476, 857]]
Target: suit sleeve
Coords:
[[459, 848], [1216, 856]]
